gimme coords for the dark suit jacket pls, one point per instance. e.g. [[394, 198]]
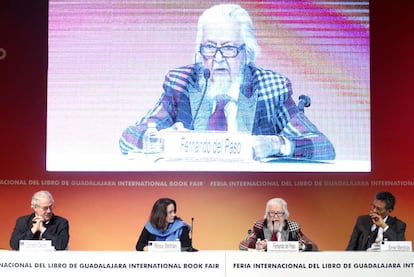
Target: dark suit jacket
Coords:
[[362, 230], [57, 230]]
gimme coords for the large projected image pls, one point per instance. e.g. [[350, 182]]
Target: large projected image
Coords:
[[278, 86]]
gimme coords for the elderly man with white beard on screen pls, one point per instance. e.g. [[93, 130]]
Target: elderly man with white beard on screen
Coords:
[[223, 90]]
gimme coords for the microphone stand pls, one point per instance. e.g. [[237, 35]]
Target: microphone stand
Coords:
[[191, 248], [206, 75]]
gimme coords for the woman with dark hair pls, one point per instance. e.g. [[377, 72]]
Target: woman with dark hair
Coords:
[[164, 225]]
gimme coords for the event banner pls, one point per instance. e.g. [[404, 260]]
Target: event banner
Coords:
[[78, 80]]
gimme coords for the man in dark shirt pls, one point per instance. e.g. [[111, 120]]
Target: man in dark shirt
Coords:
[[41, 224]]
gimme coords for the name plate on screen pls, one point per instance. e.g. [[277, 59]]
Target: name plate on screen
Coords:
[[402, 246], [212, 146], [35, 245], [164, 246], [290, 246]]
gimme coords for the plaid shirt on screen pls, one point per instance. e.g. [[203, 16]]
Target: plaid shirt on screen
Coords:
[[275, 112]]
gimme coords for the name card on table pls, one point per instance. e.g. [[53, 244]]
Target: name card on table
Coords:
[[164, 246], [285, 246], [402, 246], [36, 245], [208, 145]]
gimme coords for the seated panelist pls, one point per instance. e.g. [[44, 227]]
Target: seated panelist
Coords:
[[275, 226], [164, 225], [41, 224], [378, 225]]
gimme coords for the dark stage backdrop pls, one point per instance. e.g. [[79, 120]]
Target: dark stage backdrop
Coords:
[[108, 209]]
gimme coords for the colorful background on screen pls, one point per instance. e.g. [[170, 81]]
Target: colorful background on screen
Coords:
[[107, 62]]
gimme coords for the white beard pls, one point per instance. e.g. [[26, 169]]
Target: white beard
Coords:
[[277, 226], [223, 87]]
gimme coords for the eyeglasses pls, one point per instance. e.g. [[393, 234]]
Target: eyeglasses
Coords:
[[377, 209], [273, 213], [209, 51], [45, 208]]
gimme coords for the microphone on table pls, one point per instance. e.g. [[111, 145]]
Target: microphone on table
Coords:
[[249, 233], [190, 248], [206, 75]]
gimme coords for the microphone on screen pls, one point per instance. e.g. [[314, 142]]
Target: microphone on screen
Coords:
[[206, 75], [304, 102]]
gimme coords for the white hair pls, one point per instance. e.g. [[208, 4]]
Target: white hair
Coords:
[[236, 13], [280, 201], [41, 194]]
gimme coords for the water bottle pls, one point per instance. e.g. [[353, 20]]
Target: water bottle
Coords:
[[259, 246], [152, 141]]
